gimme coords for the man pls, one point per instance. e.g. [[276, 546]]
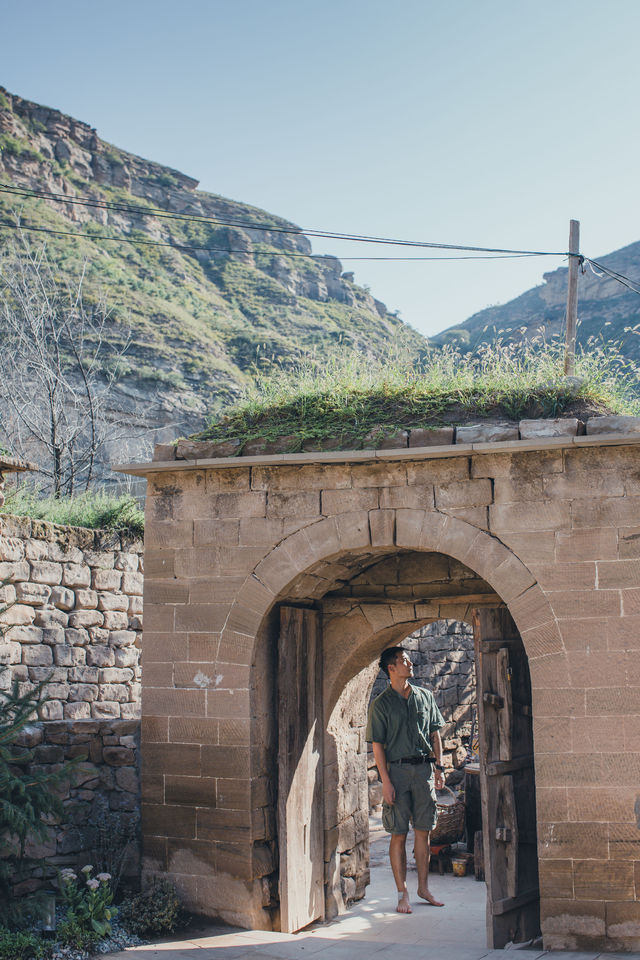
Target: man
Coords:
[[403, 727]]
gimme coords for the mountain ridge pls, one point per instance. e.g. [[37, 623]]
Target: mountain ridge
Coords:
[[199, 318]]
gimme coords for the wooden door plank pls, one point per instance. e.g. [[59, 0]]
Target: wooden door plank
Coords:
[[300, 766], [505, 714]]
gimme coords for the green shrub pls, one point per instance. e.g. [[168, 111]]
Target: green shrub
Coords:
[[156, 910], [88, 901], [96, 510], [71, 933], [22, 946]]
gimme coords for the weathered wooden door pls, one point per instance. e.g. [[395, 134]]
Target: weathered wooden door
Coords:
[[507, 780], [300, 767]]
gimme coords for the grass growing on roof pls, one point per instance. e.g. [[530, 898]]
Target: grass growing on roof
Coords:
[[97, 510], [349, 395]]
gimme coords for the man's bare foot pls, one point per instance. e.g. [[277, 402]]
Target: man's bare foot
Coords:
[[429, 897], [403, 905]]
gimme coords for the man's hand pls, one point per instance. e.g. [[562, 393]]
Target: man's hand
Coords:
[[388, 792], [438, 779]]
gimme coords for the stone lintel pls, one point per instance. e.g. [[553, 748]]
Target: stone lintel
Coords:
[[373, 456]]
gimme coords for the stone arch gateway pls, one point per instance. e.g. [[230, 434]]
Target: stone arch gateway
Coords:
[[368, 543]]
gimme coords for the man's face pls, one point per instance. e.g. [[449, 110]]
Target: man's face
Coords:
[[402, 669]]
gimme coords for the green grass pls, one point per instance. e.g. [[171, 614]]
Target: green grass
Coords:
[[347, 396], [97, 510]]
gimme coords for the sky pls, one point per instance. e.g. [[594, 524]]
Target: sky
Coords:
[[486, 123]]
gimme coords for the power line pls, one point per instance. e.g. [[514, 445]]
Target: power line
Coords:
[[249, 225], [620, 277], [188, 248]]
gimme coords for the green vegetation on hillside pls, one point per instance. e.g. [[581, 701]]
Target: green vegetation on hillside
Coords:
[[97, 510], [348, 397]]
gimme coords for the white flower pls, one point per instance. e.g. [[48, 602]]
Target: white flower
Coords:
[[87, 870], [103, 877], [93, 884]]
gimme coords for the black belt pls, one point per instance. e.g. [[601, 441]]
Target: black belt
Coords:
[[414, 760]]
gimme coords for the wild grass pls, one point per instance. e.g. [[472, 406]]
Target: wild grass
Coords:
[[348, 395], [97, 510]]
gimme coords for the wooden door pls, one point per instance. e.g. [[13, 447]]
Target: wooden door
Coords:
[[300, 768], [507, 780]]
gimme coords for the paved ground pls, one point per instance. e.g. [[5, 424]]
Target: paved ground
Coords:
[[372, 928]]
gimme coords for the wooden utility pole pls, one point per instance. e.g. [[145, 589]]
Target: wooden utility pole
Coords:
[[572, 298]]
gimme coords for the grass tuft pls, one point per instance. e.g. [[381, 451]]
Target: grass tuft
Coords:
[[97, 510], [347, 396]]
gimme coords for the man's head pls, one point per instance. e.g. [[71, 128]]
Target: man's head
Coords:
[[394, 659]]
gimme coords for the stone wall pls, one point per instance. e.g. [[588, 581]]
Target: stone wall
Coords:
[[75, 617], [101, 801]]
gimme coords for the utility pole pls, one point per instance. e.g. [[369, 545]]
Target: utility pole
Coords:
[[572, 298]]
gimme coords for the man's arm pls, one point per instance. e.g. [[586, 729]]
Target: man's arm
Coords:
[[436, 743], [388, 790]]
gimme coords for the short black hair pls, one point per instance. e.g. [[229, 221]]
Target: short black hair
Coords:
[[390, 655]]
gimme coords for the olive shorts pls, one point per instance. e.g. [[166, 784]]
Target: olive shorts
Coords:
[[415, 798]]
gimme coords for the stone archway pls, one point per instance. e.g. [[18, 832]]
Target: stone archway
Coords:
[[551, 527]]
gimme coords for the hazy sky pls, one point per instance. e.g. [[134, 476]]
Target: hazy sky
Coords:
[[488, 122]]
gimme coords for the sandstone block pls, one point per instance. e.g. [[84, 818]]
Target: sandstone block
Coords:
[[105, 710], [128, 780], [63, 598], [348, 501], [14, 572], [125, 657], [132, 583], [37, 655], [613, 424], [83, 692], [12, 548], [24, 634], [113, 692], [126, 561], [86, 599], [10, 653], [106, 579], [7, 594], [45, 571], [122, 638], [85, 618], [130, 711], [76, 575], [430, 437], [558, 427], [77, 711], [83, 674], [468, 493], [51, 710], [486, 432], [135, 606], [76, 637], [294, 504], [50, 617], [100, 656], [17, 615], [382, 438], [64, 656], [35, 594], [115, 620], [102, 559], [115, 675]]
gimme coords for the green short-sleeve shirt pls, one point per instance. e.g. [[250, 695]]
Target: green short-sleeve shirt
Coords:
[[403, 726]]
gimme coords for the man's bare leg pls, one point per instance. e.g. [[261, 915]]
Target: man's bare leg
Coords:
[[422, 851], [398, 858]]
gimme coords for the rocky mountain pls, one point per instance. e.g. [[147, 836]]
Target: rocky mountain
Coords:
[[240, 285], [607, 310]]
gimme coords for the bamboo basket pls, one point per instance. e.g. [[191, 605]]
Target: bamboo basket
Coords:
[[450, 824]]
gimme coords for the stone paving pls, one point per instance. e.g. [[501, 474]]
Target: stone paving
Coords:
[[370, 928]]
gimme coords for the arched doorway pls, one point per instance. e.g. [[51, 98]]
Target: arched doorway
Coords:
[[326, 647]]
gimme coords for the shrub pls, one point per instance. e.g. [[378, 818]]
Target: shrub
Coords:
[[22, 946], [88, 906], [27, 800], [97, 510], [71, 933], [156, 910]]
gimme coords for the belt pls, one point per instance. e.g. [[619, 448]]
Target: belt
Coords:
[[414, 760]]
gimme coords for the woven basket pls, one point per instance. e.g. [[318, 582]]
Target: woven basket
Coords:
[[450, 825]]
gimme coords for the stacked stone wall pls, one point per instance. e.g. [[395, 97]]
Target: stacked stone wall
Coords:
[[72, 617]]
